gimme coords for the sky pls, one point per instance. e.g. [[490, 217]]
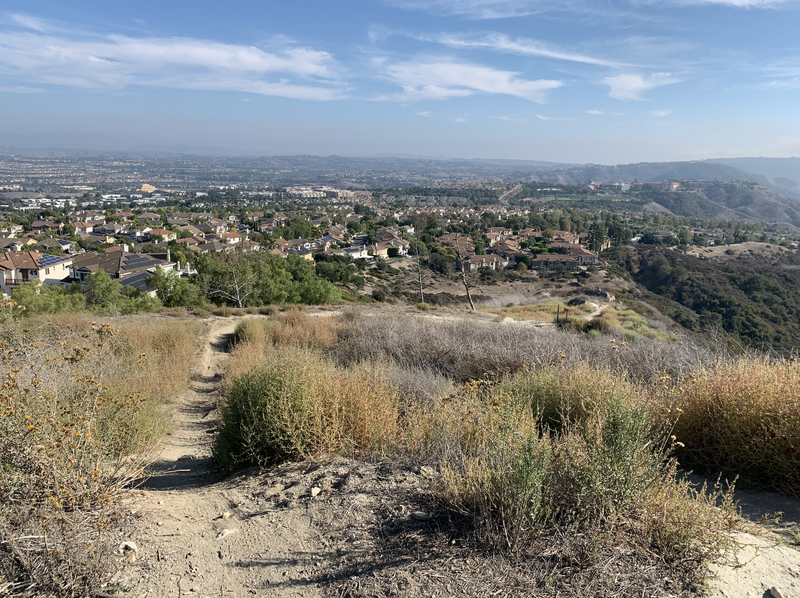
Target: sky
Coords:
[[602, 81]]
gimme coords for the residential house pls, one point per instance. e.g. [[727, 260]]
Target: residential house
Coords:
[[214, 247], [61, 244], [192, 230], [248, 245], [85, 228], [553, 261], [356, 253], [11, 244], [561, 236], [19, 267], [165, 234], [501, 231], [231, 238], [474, 263], [41, 227], [507, 248], [150, 218], [117, 263], [89, 216]]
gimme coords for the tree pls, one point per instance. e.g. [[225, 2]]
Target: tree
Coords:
[[463, 271], [174, 290], [597, 236], [227, 276], [102, 289]]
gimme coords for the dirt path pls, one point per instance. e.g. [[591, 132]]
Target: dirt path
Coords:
[[198, 535], [185, 459]]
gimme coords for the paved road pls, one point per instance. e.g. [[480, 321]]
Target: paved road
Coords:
[[508, 194]]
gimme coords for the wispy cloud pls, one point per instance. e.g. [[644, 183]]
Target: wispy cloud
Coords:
[[553, 118], [437, 80], [424, 113], [21, 89], [115, 62], [477, 9], [459, 119], [28, 22], [503, 9], [595, 112], [660, 113], [730, 3], [499, 42], [513, 119], [632, 86]]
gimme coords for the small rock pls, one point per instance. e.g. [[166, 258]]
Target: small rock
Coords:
[[351, 537], [776, 593], [160, 523], [226, 532], [414, 469], [315, 491], [128, 549], [427, 472], [421, 516], [226, 515]]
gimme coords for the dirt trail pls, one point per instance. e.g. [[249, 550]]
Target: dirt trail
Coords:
[[198, 535]]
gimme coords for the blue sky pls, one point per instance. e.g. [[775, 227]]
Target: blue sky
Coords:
[[608, 81]]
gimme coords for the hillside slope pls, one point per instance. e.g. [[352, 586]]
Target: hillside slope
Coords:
[[728, 201]]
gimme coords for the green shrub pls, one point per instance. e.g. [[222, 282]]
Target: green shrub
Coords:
[[250, 330], [296, 405], [562, 396], [605, 466], [268, 415]]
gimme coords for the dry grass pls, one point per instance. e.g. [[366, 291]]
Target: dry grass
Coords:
[[576, 446], [468, 348], [291, 405], [742, 418], [80, 411], [540, 312], [291, 328]]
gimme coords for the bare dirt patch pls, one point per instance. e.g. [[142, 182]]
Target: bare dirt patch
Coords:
[[748, 249]]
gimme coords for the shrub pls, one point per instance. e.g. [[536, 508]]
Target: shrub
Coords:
[[298, 406], [251, 330], [72, 432], [223, 311], [517, 479], [561, 396], [743, 418]]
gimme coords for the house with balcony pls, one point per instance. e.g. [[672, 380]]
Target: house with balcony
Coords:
[[19, 267]]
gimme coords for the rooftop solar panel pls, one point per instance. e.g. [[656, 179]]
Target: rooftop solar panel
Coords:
[[48, 260]]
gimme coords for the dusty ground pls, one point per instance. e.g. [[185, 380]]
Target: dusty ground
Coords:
[[485, 293], [366, 529], [751, 248]]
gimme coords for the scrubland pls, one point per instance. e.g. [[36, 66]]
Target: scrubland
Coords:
[[545, 443], [81, 408], [535, 434]]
